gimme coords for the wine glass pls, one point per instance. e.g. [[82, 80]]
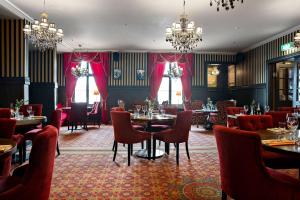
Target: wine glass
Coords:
[[267, 108], [144, 109], [246, 108], [138, 108], [12, 110], [29, 110], [292, 124]]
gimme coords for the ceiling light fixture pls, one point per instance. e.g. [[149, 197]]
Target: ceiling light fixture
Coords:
[[44, 35], [184, 36], [297, 39], [226, 4]]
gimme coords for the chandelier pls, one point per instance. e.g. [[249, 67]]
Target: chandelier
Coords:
[[297, 39], [44, 35], [175, 71], [184, 36], [227, 4], [79, 71]]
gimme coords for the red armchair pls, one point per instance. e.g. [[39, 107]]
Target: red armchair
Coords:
[[178, 135], [117, 109], [7, 130], [126, 134], [277, 116], [5, 113], [78, 115], [36, 108], [95, 114], [33, 180], [221, 116], [197, 117], [255, 122], [289, 109], [243, 174], [232, 111]]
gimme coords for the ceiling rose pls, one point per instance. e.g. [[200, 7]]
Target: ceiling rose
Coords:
[[226, 4], [184, 36], [43, 35]]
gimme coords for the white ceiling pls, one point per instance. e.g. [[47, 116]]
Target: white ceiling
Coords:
[[133, 25]]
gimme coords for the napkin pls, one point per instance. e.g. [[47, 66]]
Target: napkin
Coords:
[[275, 142], [4, 148]]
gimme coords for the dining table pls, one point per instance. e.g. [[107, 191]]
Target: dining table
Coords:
[[147, 120], [206, 112], [7, 147], [33, 120]]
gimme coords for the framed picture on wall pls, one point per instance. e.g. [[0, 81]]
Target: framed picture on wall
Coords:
[[140, 74], [117, 74]]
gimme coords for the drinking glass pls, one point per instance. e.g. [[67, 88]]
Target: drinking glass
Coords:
[[29, 110], [21, 116], [163, 112], [267, 108], [138, 108], [246, 109], [12, 110], [144, 109], [292, 125]]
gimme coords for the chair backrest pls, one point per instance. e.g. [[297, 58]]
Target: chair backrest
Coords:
[[165, 103], [255, 122], [37, 178], [277, 116], [194, 105], [289, 109], [7, 127], [183, 125], [56, 119], [5, 113], [123, 130], [59, 105], [78, 112], [171, 110], [241, 166], [233, 111], [221, 106], [117, 109], [95, 108], [36, 108]]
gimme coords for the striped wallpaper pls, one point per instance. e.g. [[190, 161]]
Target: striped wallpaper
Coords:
[[199, 65], [60, 70], [253, 70], [12, 48], [128, 64], [41, 66]]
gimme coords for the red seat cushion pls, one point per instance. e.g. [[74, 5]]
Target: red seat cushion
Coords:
[[159, 127], [18, 138], [7, 182]]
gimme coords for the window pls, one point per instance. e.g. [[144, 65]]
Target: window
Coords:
[[86, 89], [170, 88]]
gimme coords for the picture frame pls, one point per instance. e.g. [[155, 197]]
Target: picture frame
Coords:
[[140, 74], [117, 74]]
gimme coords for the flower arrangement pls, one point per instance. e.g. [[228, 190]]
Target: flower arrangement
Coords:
[[151, 104], [175, 71], [19, 103], [79, 71]]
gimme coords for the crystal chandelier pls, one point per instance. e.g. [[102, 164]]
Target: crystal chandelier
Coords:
[[44, 35], [175, 71], [227, 4], [297, 39], [184, 36], [79, 71]]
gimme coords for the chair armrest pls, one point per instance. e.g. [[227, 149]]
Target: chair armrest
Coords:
[[20, 170]]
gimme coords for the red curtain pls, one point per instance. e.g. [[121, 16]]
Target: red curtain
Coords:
[[155, 60], [100, 66]]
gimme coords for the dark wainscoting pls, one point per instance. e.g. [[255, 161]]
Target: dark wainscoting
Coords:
[[12, 89], [245, 95], [44, 93], [202, 93], [127, 94], [61, 95]]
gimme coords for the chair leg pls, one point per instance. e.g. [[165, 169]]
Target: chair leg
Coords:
[[129, 151], [154, 149], [167, 148], [24, 151], [114, 146], [142, 144], [177, 153], [57, 149], [187, 150], [149, 149], [115, 149], [20, 154], [224, 195]]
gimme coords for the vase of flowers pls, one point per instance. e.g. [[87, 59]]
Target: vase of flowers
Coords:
[[18, 104]]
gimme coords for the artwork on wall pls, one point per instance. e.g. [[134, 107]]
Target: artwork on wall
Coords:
[[140, 74], [117, 74]]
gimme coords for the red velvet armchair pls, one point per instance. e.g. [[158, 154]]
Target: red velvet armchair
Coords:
[[277, 116], [255, 122], [5, 113], [180, 134], [78, 115], [94, 115], [243, 174], [221, 116], [126, 134], [197, 117], [32, 181], [232, 111], [289, 109]]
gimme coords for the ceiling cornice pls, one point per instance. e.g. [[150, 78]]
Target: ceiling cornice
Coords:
[[279, 35]]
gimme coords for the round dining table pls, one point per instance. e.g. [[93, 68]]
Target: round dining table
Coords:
[[34, 120], [7, 147], [147, 121]]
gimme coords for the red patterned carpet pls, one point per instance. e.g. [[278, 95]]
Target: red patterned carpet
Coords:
[[85, 170]]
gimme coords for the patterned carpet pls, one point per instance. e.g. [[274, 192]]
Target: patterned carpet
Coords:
[[85, 170]]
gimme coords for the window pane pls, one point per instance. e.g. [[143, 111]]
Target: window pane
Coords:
[[167, 67], [176, 93], [80, 89], [93, 91], [163, 92]]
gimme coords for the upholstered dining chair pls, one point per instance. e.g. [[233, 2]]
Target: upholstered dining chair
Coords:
[[232, 123], [78, 115], [289, 109], [277, 116], [5, 113], [126, 134], [243, 174], [94, 115], [271, 159], [221, 116], [178, 134], [36, 108], [7, 130], [33, 180], [55, 121]]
